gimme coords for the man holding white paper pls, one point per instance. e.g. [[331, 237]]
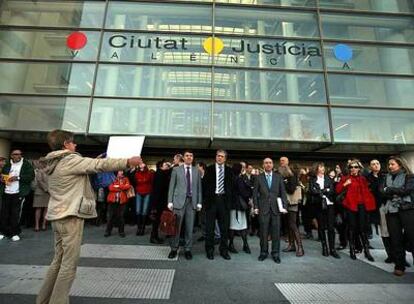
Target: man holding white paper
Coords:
[[270, 200]]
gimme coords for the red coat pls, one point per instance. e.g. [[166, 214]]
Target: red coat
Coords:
[[118, 190], [143, 181], [357, 192]]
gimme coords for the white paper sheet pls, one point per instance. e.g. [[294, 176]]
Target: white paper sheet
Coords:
[[125, 146], [280, 205]]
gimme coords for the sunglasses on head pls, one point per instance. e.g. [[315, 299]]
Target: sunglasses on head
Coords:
[[354, 167]]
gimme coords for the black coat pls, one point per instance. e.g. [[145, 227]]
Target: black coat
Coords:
[[316, 192], [209, 186]]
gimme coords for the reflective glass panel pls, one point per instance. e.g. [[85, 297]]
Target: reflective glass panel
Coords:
[[31, 113], [54, 45], [373, 126], [266, 22], [46, 78], [307, 3], [392, 6], [154, 48], [269, 53], [52, 13], [159, 17], [365, 27], [151, 117], [270, 122], [268, 86], [153, 81], [371, 90], [367, 58]]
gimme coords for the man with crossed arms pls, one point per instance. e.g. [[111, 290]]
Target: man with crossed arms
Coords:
[[184, 198]]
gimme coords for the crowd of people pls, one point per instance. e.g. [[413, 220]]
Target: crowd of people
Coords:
[[270, 201]]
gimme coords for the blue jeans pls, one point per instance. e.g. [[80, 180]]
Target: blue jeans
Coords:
[[142, 204]]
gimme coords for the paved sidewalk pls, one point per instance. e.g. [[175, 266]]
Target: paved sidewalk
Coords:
[[131, 270]]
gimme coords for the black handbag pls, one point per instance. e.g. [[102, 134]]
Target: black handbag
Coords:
[[324, 203]]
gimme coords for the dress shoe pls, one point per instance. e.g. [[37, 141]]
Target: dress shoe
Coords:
[[188, 255], [398, 272], [154, 240], [290, 248], [210, 255], [262, 257], [225, 255], [122, 234], [232, 249], [276, 259], [173, 254]]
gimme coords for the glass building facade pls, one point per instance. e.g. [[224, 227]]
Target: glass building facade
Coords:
[[301, 75]]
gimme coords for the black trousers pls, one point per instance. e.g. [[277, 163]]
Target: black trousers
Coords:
[[11, 212], [341, 226], [401, 223], [326, 218], [269, 221], [217, 211], [115, 213], [357, 221]]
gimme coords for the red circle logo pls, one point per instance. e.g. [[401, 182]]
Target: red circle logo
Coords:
[[76, 40]]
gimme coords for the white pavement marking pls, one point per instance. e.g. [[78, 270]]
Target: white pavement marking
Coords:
[[135, 252], [132, 283], [297, 293], [379, 256]]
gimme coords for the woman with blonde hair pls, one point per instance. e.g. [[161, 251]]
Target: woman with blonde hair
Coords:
[[358, 201]]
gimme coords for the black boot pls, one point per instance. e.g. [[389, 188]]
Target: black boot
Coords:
[[352, 245], [331, 238], [387, 246], [365, 245], [322, 238], [291, 243], [246, 247], [299, 247], [154, 239], [231, 246]]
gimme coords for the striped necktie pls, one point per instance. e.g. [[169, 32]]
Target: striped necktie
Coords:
[[220, 187]]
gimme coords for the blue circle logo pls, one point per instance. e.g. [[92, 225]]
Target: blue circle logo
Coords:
[[342, 52]]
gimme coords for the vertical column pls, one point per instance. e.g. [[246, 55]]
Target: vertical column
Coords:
[[295, 124], [409, 157], [107, 123]]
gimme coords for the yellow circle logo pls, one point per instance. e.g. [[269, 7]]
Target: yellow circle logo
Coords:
[[213, 45]]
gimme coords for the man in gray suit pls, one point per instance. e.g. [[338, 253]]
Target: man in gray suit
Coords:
[[184, 198], [268, 190]]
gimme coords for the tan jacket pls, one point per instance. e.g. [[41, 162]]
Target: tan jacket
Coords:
[[69, 182]]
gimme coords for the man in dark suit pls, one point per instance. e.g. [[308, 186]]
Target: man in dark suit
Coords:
[[184, 197], [268, 190], [217, 195]]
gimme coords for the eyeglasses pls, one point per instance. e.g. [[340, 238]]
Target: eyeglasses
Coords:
[[353, 167]]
